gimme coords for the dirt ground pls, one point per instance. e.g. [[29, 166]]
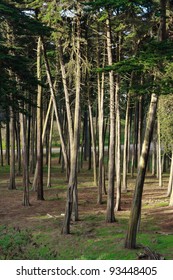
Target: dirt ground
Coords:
[[13, 213]]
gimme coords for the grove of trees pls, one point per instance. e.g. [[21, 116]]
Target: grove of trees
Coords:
[[100, 74]]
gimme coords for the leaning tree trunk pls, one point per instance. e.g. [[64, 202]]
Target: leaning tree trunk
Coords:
[[171, 198], [57, 114], [170, 178], [110, 217], [130, 241]]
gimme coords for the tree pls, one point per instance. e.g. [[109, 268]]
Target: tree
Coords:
[[111, 172], [136, 203], [130, 241]]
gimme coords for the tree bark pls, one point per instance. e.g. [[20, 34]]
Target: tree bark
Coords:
[[39, 182], [50, 150], [170, 178], [130, 241], [93, 144], [1, 148], [12, 184], [110, 217], [118, 146], [75, 141], [159, 154], [24, 161], [126, 140]]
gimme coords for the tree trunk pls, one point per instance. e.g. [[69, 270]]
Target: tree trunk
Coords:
[[57, 115], [24, 161], [154, 157], [93, 144], [39, 182], [130, 241], [1, 148], [101, 137], [139, 127], [75, 143], [7, 146], [12, 184], [18, 144], [50, 150], [33, 155], [118, 146], [126, 140], [110, 217], [159, 154], [170, 178]]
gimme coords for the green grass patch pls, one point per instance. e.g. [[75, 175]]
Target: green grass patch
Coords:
[[4, 169]]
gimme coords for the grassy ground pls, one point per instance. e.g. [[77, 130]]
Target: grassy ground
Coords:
[[35, 232]]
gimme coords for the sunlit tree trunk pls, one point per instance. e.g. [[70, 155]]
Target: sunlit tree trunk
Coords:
[[170, 178], [126, 140], [72, 184], [130, 241], [159, 154], [57, 114], [118, 146], [110, 217], [39, 182]]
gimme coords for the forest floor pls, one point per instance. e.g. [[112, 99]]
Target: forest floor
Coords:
[[35, 232]]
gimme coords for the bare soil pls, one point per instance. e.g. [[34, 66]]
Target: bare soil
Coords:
[[13, 213]]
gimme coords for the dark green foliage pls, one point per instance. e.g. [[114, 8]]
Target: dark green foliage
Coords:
[[18, 34]]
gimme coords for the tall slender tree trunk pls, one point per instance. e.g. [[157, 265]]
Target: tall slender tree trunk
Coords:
[[130, 241], [93, 144], [24, 161], [33, 155], [110, 217], [101, 137], [39, 182], [1, 148], [72, 184], [7, 139], [101, 86], [170, 184], [57, 114], [154, 157], [18, 144], [50, 150], [12, 184], [159, 154], [118, 146], [126, 140], [140, 126]]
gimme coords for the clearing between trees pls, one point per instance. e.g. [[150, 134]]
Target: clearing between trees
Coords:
[[35, 232]]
